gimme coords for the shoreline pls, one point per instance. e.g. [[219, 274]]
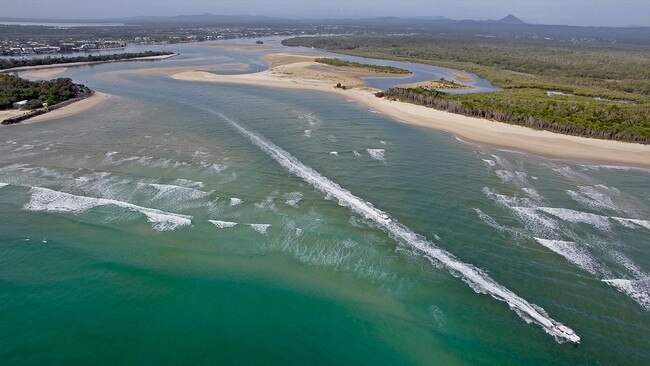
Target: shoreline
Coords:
[[294, 73], [68, 110], [85, 63]]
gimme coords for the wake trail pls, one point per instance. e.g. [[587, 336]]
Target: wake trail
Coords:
[[478, 280]]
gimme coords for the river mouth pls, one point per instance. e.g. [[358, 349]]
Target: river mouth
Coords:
[[94, 228]]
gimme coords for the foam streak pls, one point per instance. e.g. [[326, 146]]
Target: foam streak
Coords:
[[474, 277]]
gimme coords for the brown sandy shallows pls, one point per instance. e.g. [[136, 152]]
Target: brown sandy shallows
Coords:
[[72, 109], [297, 72], [463, 77], [10, 113], [172, 70], [42, 74]]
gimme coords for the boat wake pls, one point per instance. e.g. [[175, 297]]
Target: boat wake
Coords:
[[478, 280]]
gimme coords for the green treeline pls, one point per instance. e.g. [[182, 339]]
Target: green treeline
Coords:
[[14, 89], [580, 116], [382, 69], [13, 62], [610, 83]]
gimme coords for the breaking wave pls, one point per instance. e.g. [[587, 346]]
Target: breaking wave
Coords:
[[48, 200], [377, 154], [223, 224], [478, 280], [573, 253], [260, 228], [293, 198], [638, 290]]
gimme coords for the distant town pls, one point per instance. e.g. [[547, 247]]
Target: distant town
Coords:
[[20, 40]]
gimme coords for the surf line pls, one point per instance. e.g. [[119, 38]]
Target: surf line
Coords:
[[478, 280]]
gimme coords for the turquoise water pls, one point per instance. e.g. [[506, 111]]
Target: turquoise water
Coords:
[[108, 254]]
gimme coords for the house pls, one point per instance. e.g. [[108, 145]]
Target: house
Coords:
[[20, 105]]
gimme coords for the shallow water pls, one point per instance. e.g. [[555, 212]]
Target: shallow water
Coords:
[[153, 229]]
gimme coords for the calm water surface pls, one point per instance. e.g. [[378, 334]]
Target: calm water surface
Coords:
[[153, 230]]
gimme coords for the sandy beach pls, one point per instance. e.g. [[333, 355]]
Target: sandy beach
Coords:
[[301, 72], [42, 74], [72, 109]]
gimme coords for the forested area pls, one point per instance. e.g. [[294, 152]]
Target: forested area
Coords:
[[14, 89], [10, 63], [609, 83], [376, 68]]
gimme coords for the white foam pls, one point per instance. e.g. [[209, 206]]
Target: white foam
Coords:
[[532, 193], [293, 198], [508, 201], [534, 221], [593, 198], [269, 203], [377, 154], [23, 148], [234, 201], [478, 280], [516, 178], [356, 153], [383, 142], [188, 183], [307, 133], [628, 264], [490, 221], [47, 200], [335, 153], [597, 221], [260, 228], [311, 119], [638, 290], [618, 167], [489, 162], [628, 222], [3, 184], [573, 253], [175, 193], [223, 224]]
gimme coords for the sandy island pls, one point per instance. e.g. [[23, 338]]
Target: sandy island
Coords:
[[301, 72]]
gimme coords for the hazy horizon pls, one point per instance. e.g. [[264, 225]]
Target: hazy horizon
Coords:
[[572, 12]]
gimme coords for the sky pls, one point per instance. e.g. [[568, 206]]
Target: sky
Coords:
[[571, 12]]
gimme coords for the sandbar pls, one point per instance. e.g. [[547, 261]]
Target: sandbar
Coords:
[[42, 74], [298, 72]]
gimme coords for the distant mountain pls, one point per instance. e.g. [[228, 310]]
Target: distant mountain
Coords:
[[510, 19]]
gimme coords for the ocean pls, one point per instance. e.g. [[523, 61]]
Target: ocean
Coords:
[[201, 223]]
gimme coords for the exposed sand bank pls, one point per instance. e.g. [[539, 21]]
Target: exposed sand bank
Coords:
[[179, 69], [42, 74], [463, 77], [11, 113], [72, 109], [298, 72]]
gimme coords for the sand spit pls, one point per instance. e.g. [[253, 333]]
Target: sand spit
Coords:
[[301, 72]]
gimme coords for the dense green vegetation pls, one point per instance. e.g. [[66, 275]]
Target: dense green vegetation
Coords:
[[15, 62], [381, 69], [526, 69], [14, 89]]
